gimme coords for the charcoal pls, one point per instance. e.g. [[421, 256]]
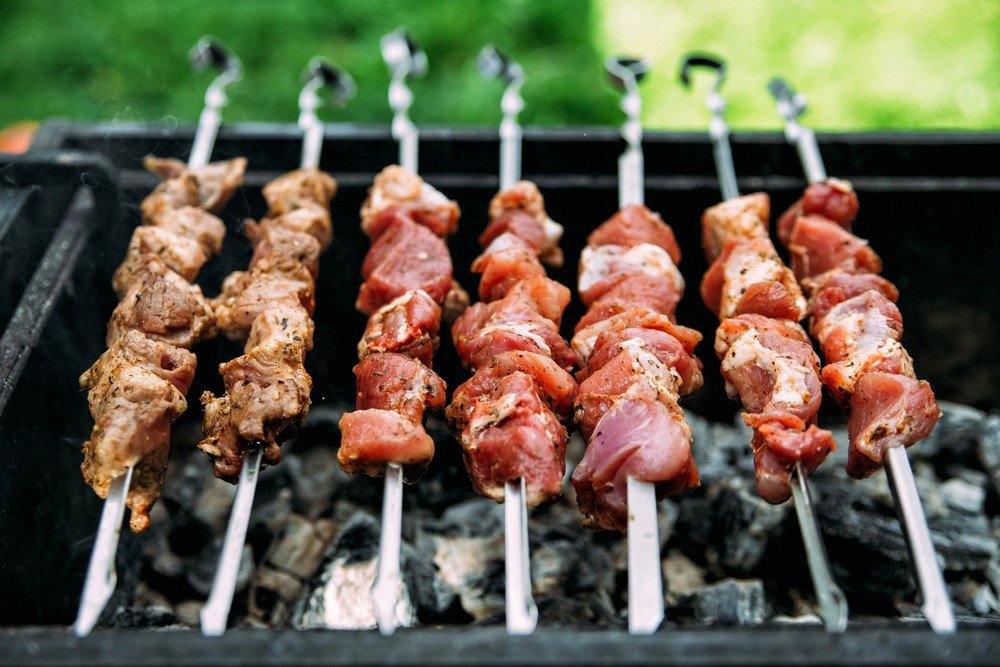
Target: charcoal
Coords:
[[963, 496], [728, 602], [565, 563], [591, 610], [144, 618], [744, 525], [473, 567], [681, 577], [989, 449], [975, 598], [955, 436]]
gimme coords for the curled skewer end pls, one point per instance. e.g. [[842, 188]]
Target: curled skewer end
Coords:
[[211, 53], [321, 73], [703, 61], [402, 54], [493, 64], [626, 72]]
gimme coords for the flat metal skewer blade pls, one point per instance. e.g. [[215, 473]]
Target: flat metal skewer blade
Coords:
[[832, 603], [215, 613], [522, 614], [937, 603], [101, 573], [645, 575], [209, 52], [791, 105], [385, 591]]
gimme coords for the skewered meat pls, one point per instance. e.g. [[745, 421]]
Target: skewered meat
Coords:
[[138, 386], [637, 363], [858, 326], [507, 416], [408, 287], [767, 360], [270, 308]]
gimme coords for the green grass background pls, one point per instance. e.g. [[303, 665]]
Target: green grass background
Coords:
[[863, 63]]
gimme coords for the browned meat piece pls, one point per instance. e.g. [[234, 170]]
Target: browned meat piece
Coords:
[[749, 277], [399, 192], [273, 241], [302, 188], [162, 305], [181, 254], [190, 222], [743, 219], [245, 295], [215, 182], [389, 381], [407, 325], [137, 388]]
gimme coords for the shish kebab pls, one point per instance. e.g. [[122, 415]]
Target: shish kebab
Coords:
[[269, 307], [637, 362], [510, 416], [407, 289], [139, 385], [858, 327], [767, 358]]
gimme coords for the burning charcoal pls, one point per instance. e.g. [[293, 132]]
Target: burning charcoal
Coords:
[[744, 524], [188, 612], [593, 609], [681, 577], [989, 448], [564, 563], [962, 496], [975, 598], [729, 602], [474, 568], [200, 572], [339, 597], [144, 618], [955, 436]]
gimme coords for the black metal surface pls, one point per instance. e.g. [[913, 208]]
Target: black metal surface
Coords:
[[928, 206]]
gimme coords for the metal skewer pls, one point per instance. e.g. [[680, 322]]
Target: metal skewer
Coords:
[[832, 603], [522, 613], [215, 614], [404, 59], [937, 603], [102, 575], [645, 574]]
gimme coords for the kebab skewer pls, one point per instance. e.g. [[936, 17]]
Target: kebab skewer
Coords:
[[637, 363], [269, 307], [767, 359], [407, 280], [139, 385], [858, 326]]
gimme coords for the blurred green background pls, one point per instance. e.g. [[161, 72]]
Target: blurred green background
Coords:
[[865, 64]]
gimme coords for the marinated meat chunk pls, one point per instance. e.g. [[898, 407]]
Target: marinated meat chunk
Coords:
[[635, 225], [833, 199], [817, 245], [400, 192], [743, 219], [407, 325], [389, 381], [749, 277], [216, 182], [372, 439]]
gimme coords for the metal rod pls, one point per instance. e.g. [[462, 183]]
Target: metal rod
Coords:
[[493, 64], [215, 614], [832, 603], [645, 574], [405, 60], [386, 589], [937, 602], [209, 52], [626, 74], [320, 73], [102, 575], [791, 105], [522, 614]]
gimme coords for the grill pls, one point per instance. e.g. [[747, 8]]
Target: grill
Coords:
[[67, 209]]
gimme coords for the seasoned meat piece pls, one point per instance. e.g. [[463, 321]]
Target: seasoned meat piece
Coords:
[[512, 434], [162, 305], [836, 286], [216, 182], [408, 196], [743, 218], [245, 295], [506, 261], [833, 199], [818, 245], [778, 448], [545, 295], [273, 242], [389, 381], [887, 410], [585, 338], [639, 436], [406, 257], [519, 223], [555, 386], [302, 188], [137, 388], [524, 197], [602, 267], [190, 222], [372, 439], [749, 277], [407, 325], [732, 328], [510, 324], [181, 254], [667, 349], [634, 225], [637, 290]]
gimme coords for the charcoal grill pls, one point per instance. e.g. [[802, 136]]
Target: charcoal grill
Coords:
[[67, 209]]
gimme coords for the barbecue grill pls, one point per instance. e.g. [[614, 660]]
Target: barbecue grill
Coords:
[[68, 206]]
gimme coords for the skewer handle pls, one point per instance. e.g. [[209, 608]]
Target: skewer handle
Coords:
[[791, 105], [645, 575], [215, 614], [319, 74], [494, 64], [209, 52], [101, 573], [832, 603], [626, 74], [937, 603], [522, 614], [405, 60], [718, 129], [385, 591]]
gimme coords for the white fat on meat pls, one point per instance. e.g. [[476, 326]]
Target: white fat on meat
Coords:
[[744, 269], [378, 317], [601, 262], [523, 329], [788, 374], [553, 232]]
